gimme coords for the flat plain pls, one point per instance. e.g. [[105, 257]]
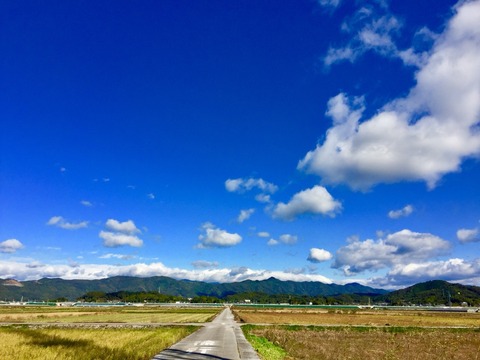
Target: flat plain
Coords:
[[107, 333], [361, 334]]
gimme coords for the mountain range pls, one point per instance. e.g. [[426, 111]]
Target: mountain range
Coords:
[[47, 288], [435, 292]]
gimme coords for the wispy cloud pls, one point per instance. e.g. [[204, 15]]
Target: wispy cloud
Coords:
[[245, 215], [403, 212], [60, 222]]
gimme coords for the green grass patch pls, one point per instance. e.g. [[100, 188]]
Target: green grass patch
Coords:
[[265, 348]]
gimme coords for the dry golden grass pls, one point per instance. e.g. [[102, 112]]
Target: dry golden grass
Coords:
[[357, 317], [373, 343], [110, 315], [87, 344]]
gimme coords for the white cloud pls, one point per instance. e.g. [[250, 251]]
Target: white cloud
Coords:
[[115, 239], [120, 234], [449, 270], [404, 212], [60, 222], [468, 235], [420, 137], [245, 215], [151, 196], [241, 185], [10, 246], [86, 203], [263, 198], [216, 237], [316, 200], [272, 242], [319, 255], [400, 248], [127, 227], [288, 239], [263, 234], [21, 271]]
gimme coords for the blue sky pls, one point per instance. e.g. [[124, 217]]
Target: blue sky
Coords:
[[329, 140]]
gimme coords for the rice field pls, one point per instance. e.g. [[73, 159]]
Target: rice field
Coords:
[[364, 343], [285, 334], [24, 343], [129, 315]]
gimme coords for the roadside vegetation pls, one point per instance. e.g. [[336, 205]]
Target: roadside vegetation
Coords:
[[23, 343]]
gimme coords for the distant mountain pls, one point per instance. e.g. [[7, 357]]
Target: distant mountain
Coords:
[[435, 292], [45, 289]]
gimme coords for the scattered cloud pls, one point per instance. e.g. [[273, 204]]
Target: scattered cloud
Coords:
[[60, 222], [400, 248], [120, 234], [272, 242], [374, 28], [263, 198], [242, 185], [10, 246], [263, 234], [203, 264], [319, 255], [115, 239], [127, 227], [404, 212], [286, 239], [316, 200], [151, 196], [116, 256], [329, 3], [216, 237], [468, 235], [420, 137], [245, 215], [86, 203]]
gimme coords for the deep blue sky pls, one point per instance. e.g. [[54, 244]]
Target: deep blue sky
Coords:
[[331, 140]]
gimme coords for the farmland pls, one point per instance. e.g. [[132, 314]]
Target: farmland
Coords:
[[141, 315], [361, 334]]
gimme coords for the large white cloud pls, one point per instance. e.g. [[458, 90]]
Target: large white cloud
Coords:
[[316, 200], [400, 248], [216, 237], [60, 222], [420, 137], [23, 271], [10, 246]]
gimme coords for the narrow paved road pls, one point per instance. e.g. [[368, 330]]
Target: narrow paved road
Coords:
[[220, 339]]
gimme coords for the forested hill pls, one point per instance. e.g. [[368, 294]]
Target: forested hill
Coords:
[[435, 292], [45, 289]]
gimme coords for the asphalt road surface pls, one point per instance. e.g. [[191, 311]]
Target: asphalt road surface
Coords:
[[221, 339]]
